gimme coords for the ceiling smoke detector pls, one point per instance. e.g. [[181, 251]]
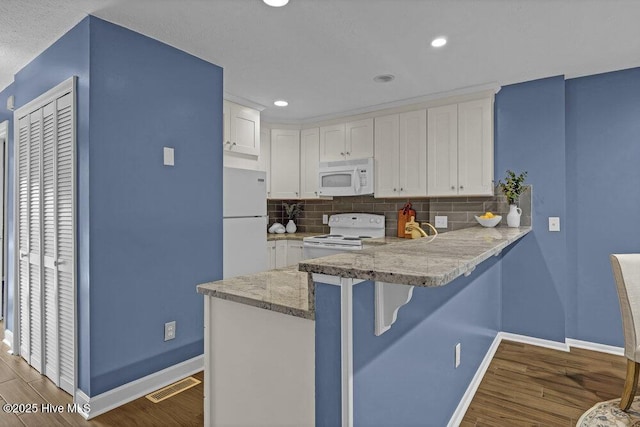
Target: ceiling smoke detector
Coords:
[[275, 3], [384, 78]]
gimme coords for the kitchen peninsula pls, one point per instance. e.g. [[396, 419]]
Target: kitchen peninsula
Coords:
[[264, 352]]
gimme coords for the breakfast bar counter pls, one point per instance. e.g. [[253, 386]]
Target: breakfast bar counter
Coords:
[[419, 262]]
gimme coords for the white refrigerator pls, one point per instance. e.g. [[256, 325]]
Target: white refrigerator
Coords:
[[244, 223]]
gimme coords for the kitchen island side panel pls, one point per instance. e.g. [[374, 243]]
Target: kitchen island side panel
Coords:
[[407, 376]]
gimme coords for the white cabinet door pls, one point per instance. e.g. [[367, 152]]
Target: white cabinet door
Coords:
[[413, 154], [359, 139], [271, 254], [387, 156], [309, 159], [281, 253], [475, 147], [264, 161], [442, 151], [332, 142], [285, 164], [294, 252], [243, 134]]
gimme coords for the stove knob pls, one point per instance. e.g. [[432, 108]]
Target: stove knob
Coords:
[[335, 219], [371, 220], [378, 221]]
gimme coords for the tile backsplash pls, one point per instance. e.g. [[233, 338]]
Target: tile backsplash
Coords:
[[459, 210]]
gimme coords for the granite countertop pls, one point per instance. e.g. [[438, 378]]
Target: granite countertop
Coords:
[[285, 290], [419, 262]]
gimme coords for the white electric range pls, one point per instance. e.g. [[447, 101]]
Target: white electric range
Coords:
[[346, 233]]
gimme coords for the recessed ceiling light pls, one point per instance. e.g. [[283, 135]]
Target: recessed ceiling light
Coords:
[[439, 42], [384, 78], [275, 3], [281, 103]]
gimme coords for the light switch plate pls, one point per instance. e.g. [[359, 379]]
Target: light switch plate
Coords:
[[168, 156], [441, 221], [457, 355], [554, 223]]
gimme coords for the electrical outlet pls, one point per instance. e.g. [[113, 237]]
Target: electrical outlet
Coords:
[[325, 219], [169, 330], [441, 221], [457, 355], [554, 223]]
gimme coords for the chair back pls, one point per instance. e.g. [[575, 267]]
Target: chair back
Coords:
[[626, 271]]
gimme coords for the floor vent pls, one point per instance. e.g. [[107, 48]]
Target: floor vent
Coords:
[[173, 389]]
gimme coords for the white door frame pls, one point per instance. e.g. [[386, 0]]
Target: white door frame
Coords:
[[4, 145]]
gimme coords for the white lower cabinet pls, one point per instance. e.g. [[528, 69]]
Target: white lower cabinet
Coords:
[[283, 253], [294, 252]]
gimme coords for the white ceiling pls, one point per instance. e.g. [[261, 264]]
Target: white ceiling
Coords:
[[322, 55]]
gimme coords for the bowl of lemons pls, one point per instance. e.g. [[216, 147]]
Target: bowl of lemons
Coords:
[[488, 219]]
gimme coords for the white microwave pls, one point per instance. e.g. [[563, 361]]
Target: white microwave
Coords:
[[346, 177]]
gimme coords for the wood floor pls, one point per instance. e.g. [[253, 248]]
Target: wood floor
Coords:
[[19, 383], [533, 386], [524, 386]]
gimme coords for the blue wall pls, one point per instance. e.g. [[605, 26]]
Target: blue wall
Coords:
[[399, 376], [603, 148], [529, 136], [156, 231], [8, 116], [147, 233]]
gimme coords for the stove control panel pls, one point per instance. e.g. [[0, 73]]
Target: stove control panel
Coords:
[[356, 220]]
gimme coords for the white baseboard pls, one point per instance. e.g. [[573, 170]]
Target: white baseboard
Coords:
[[8, 339], [554, 345], [603, 348], [461, 410], [127, 392], [464, 403]]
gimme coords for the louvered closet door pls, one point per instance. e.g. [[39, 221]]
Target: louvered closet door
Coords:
[[46, 240]]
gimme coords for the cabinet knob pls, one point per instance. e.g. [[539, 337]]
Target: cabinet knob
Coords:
[[453, 187], [401, 189], [462, 187], [296, 193], [315, 192], [394, 189], [342, 154], [348, 153], [233, 143]]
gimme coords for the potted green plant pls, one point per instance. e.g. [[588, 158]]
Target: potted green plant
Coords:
[[292, 212], [512, 188]]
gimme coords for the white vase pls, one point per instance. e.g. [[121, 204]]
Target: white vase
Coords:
[[291, 226], [513, 217]]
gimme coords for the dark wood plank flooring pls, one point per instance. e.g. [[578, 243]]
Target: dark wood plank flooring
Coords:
[[527, 385], [524, 386], [20, 383]]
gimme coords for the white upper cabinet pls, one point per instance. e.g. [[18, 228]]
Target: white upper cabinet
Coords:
[[401, 155], [285, 164], [475, 147], [264, 160], [241, 129], [359, 139], [460, 149], [387, 156], [351, 140], [332, 143], [309, 159], [442, 150]]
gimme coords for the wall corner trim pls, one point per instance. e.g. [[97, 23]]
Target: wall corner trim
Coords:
[[127, 392], [8, 339], [468, 395]]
